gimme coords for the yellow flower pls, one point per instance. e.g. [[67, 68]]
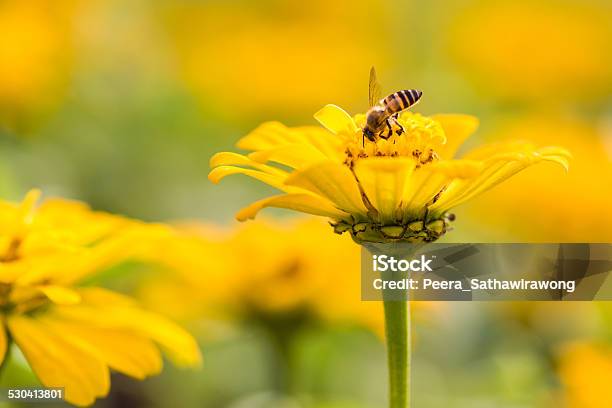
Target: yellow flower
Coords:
[[72, 336], [35, 55], [585, 370], [523, 47], [388, 190], [282, 270], [259, 33], [579, 201]]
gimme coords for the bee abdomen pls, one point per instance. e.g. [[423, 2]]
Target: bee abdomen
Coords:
[[400, 100]]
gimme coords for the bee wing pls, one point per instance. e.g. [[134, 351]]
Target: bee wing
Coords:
[[374, 93]]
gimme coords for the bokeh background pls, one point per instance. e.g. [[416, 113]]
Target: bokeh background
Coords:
[[122, 103]]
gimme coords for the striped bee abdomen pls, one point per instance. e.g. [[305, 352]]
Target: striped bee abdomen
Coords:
[[400, 100]]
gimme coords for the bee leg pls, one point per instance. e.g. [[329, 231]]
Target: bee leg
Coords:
[[389, 130], [400, 129]]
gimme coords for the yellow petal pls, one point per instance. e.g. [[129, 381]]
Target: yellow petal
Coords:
[[219, 173], [495, 170], [461, 169], [321, 139], [489, 150], [235, 159], [306, 203], [336, 120], [105, 309], [28, 204], [273, 141], [130, 243], [271, 135], [123, 351], [94, 296], [333, 181], [58, 362], [426, 182], [60, 295], [457, 129], [459, 191], [293, 155], [179, 345], [557, 155], [266, 136], [383, 180]]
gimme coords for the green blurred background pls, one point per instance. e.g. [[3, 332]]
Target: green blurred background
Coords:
[[122, 103]]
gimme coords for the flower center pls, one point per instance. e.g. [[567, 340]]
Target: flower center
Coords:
[[12, 251], [411, 135], [18, 299], [5, 290]]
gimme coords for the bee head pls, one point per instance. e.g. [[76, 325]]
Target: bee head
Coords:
[[368, 133]]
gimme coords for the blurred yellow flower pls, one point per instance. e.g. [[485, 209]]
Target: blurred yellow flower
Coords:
[[71, 336], [35, 53], [579, 202], [282, 269], [525, 50], [398, 189], [586, 372], [266, 61]]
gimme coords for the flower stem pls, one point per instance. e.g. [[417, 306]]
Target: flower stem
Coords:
[[397, 323], [7, 356], [397, 331]]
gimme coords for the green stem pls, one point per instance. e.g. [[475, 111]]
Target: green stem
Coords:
[[397, 324], [7, 356], [397, 331]]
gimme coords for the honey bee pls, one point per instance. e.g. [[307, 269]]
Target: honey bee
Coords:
[[383, 113]]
